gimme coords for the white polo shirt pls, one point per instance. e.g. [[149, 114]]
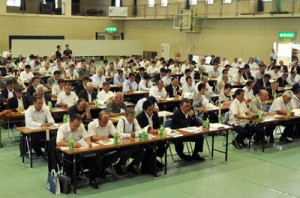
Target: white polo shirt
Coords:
[[70, 99], [278, 104], [237, 108], [64, 133], [248, 94], [156, 93], [94, 129]]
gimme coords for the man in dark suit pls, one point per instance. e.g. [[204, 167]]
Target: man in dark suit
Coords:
[[173, 89], [88, 94], [273, 89], [140, 75], [150, 117], [6, 69], [213, 60], [185, 117], [82, 84], [54, 79], [199, 74], [296, 86], [262, 83], [247, 74], [159, 76], [8, 91], [18, 100], [282, 80], [31, 90]]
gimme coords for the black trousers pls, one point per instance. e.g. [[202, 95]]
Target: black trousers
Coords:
[[136, 152], [248, 131], [37, 142], [288, 131], [198, 144], [89, 162]]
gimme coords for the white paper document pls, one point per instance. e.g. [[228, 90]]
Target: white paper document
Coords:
[[64, 148], [110, 141], [174, 134], [191, 129], [216, 126], [83, 144]]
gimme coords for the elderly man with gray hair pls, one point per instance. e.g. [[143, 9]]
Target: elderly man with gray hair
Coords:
[[282, 106], [88, 93]]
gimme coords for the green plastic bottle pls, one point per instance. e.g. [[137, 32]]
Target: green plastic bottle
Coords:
[[50, 106], [98, 91], [65, 119], [96, 103], [260, 115], [288, 112], [161, 131], [207, 124], [19, 110], [116, 138], [275, 95], [143, 136], [71, 144]]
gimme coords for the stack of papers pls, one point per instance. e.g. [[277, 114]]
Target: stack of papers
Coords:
[[296, 111], [215, 126], [110, 141], [174, 134], [191, 129]]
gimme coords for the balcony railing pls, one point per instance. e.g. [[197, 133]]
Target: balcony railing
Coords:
[[202, 9]]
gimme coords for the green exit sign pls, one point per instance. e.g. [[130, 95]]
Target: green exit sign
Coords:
[[111, 29], [287, 35]]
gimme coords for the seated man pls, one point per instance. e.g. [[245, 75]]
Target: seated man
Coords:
[[119, 79], [98, 79], [82, 108], [6, 70], [101, 129], [26, 75], [188, 87], [239, 117], [19, 100], [71, 73], [31, 90], [88, 94], [105, 94], [185, 117], [261, 83], [82, 84], [248, 91], [116, 107], [167, 78], [139, 105], [158, 91], [273, 90], [150, 118], [8, 91], [67, 98], [257, 105], [38, 116], [159, 76], [75, 130], [173, 89], [53, 80], [84, 71], [40, 91], [280, 106], [59, 88], [130, 84], [283, 80], [127, 127], [145, 84]]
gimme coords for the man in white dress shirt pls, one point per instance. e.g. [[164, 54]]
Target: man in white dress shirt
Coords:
[[151, 70], [98, 79], [105, 94], [158, 91], [59, 88], [281, 106], [167, 78], [71, 73], [145, 84], [252, 64], [46, 70], [27, 75], [38, 116], [248, 90], [130, 84], [292, 78], [139, 105], [187, 73], [127, 127], [188, 86], [119, 79], [74, 129], [67, 98]]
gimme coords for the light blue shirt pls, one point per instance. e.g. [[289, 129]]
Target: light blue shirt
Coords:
[[127, 86]]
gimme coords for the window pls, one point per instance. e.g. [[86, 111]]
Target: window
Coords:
[[193, 2], [118, 3], [16, 3], [151, 3], [227, 1], [164, 3], [209, 2]]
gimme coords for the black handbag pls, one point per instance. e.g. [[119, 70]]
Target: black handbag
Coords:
[[65, 183]]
